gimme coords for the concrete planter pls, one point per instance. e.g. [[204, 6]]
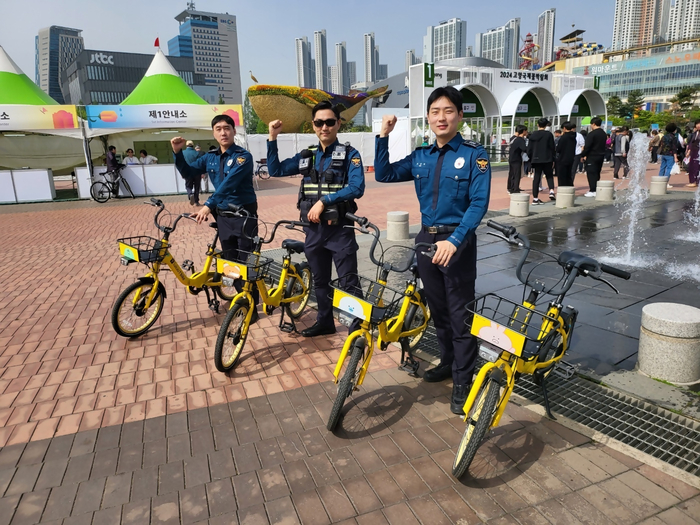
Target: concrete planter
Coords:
[[605, 191], [519, 205], [658, 186], [397, 226], [566, 196]]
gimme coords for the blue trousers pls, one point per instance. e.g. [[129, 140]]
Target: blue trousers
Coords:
[[667, 162]]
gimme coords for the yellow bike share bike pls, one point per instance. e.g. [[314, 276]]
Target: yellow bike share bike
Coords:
[[516, 339], [395, 315], [141, 303], [291, 292]]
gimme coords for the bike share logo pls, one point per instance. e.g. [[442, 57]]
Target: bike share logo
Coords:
[[101, 58]]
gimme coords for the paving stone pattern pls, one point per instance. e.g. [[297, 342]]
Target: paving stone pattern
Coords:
[[269, 459]]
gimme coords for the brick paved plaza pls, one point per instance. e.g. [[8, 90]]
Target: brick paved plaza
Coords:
[[95, 428]]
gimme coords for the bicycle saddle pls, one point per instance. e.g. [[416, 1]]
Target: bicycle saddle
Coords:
[[571, 258], [214, 225], [293, 246]]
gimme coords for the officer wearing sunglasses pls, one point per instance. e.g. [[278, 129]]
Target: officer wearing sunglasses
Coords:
[[333, 179]]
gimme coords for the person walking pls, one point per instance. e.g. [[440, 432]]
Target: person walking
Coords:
[[333, 179], [692, 155], [192, 184], [621, 147], [515, 159], [609, 146], [566, 153], [668, 152], [453, 181], [580, 142], [654, 146], [230, 169], [594, 154], [541, 151]]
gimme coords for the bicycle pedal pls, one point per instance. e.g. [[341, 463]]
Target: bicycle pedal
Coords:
[[188, 266], [288, 328], [565, 370], [410, 368], [214, 306]]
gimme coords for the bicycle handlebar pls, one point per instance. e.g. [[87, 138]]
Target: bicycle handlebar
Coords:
[[166, 229], [365, 224], [582, 265]]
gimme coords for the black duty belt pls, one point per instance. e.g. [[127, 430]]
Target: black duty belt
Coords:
[[438, 229]]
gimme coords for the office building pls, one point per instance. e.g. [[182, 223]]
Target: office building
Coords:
[[411, 59], [501, 44], [341, 64], [108, 77], [370, 55], [211, 40], [55, 48], [684, 22], [352, 73], [382, 72], [305, 73], [545, 36], [446, 40], [321, 58]]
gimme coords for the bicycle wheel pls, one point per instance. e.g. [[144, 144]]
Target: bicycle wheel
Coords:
[[227, 293], [414, 319], [478, 422], [263, 173], [129, 318], [293, 288], [128, 188], [100, 191], [347, 383], [232, 336]]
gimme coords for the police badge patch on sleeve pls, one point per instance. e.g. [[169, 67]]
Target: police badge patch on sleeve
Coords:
[[240, 161], [482, 164], [356, 161]]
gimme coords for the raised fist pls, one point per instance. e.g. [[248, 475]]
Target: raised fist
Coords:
[[177, 143], [388, 124], [275, 128]]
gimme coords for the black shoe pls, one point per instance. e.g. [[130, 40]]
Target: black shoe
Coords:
[[437, 374], [192, 200], [317, 329], [459, 397]]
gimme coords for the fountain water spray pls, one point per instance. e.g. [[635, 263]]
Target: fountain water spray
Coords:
[[637, 193]]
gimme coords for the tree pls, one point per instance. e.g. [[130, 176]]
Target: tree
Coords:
[[250, 118], [684, 100], [221, 99], [613, 106], [635, 101]]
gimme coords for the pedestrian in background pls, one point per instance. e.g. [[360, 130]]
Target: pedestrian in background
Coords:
[[621, 147], [668, 151], [692, 156], [580, 142], [146, 158], [654, 146], [515, 159], [130, 159], [541, 150], [566, 153], [193, 183], [594, 154]]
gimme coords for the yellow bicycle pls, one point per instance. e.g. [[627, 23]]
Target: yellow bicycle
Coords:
[[141, 303], [291, 292], [516, 339], [396, 315]]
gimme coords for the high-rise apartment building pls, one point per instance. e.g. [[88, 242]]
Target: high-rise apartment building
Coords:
[[640, 22], [545, 36], [56, 48], [446, 40], [382, 72], [211, 39], [501, 44], [341, 63], [321, 57], [305, 72], [411, 59], [352, 74], [684, 22], [370, 55], [335, 86]]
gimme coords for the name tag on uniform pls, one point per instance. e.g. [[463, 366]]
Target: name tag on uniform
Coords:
[[304, 163], [338, 155]]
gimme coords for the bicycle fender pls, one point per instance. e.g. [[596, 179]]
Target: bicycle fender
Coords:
[[498, 376], [151, 280]]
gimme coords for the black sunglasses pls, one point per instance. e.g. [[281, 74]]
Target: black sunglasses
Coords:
[[330, 122]]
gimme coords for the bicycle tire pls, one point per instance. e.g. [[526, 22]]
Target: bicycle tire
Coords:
[[414, 314], [484, 404], [227, 293], [263, 173], [128, 188], [100, 192], [238, 310], [155, 309], [346, 383], [304, 272]]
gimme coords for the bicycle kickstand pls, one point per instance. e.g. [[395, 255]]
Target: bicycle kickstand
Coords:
[[284, 326], [547, 408], [212, 301], [408, 363]]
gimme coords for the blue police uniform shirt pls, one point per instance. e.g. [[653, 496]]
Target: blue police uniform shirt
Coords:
[[231, 173], [356, 175], [452, 184]]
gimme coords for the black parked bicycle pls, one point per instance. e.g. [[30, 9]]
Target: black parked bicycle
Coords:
[[102, 191]]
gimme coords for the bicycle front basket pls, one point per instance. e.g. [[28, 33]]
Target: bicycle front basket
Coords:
[[142, 249], [372, 301], [247, 266]]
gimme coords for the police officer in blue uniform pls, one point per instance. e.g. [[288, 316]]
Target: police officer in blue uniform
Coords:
[[230, 168], [453, 180], [333, 179]]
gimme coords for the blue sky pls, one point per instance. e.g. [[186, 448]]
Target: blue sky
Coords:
[[267, 29]]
